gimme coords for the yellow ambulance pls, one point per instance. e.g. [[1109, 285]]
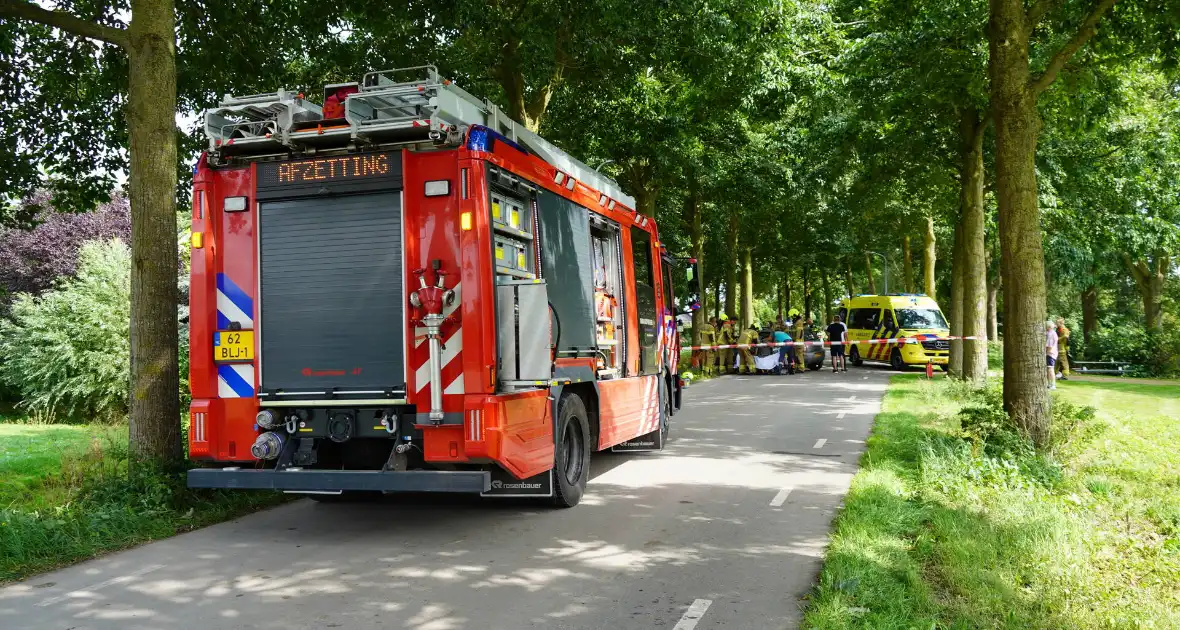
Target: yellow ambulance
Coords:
[[909, 315]]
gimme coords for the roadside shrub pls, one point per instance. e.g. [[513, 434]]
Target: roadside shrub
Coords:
[[1074, 427], [984, 423], [1163, 352], [67, 352], [32, 260]]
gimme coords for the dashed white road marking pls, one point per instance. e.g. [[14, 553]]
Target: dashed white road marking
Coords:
[[780, 498], [105, 583], [820, 443], [840, 416], [693, 614]]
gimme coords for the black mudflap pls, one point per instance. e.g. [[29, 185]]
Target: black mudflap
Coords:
[[653, 441], [505, 485]]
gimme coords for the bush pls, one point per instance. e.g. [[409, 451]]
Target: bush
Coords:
[[67, 352], [988, 427], [1126, 342], [32, 260]]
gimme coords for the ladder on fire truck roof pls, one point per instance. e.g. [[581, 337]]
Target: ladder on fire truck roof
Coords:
[[380, 111]]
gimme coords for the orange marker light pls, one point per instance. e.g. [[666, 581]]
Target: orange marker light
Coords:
[[465, 221], [198, 240]]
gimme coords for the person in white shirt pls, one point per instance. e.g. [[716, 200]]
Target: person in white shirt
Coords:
[[1051, 352]]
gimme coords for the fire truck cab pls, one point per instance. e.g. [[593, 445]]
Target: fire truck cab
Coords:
[[416, 294]]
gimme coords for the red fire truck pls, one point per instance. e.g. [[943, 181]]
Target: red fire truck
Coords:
[[405, 290]]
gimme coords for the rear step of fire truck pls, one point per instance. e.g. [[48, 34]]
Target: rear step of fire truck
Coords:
[[381, 111]]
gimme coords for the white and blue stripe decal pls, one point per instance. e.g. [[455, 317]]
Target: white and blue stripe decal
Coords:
[[235, 380], [233, 304]]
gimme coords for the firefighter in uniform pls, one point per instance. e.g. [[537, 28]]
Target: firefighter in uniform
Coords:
[[726, 337], [707, 359], [1062, 349], [797, 335], [748, 336]]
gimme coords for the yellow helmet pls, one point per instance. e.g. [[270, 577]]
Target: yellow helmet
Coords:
[[724, 317]]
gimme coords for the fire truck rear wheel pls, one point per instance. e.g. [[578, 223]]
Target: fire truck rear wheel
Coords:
[[665, 415], [571, 457]]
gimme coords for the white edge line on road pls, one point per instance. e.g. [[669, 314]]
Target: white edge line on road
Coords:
[[820, 443], [693, 614], [840, 416], [780, 498], [105, 583]]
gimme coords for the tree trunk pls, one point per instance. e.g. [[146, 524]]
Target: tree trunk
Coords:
[[907, 267], [645, 199], [869, 273], [993, 323], [787, 292], [955, 367], [150, 43], [693, 210], [778, 300], [1149, 279], [827, 296], [848, 279], [747, 288], [731, 280], [527, 109], [929, 259], [974, 319], [151, 125], [1022, 261], [1089, 315], [806, 292], [716, 296]]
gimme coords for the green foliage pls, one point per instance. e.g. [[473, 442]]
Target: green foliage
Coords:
[[939, 531], [73, 496], [1154, 353], [67, 351]]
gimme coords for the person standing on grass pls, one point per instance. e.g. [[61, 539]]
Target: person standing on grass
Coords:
[[1051, 352], [1062, 350], [837, 332]]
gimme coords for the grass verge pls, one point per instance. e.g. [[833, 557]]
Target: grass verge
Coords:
[[66, 494], [952, 528]]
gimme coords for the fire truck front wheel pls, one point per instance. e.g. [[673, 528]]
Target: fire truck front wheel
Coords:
[[571, 457]]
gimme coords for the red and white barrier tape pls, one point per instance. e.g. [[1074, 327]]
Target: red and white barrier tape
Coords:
[[780, 344]]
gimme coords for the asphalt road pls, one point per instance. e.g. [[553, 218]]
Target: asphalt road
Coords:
[[723, 529]]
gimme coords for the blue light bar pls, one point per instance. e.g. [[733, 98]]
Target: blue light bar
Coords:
[[480, 138]]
